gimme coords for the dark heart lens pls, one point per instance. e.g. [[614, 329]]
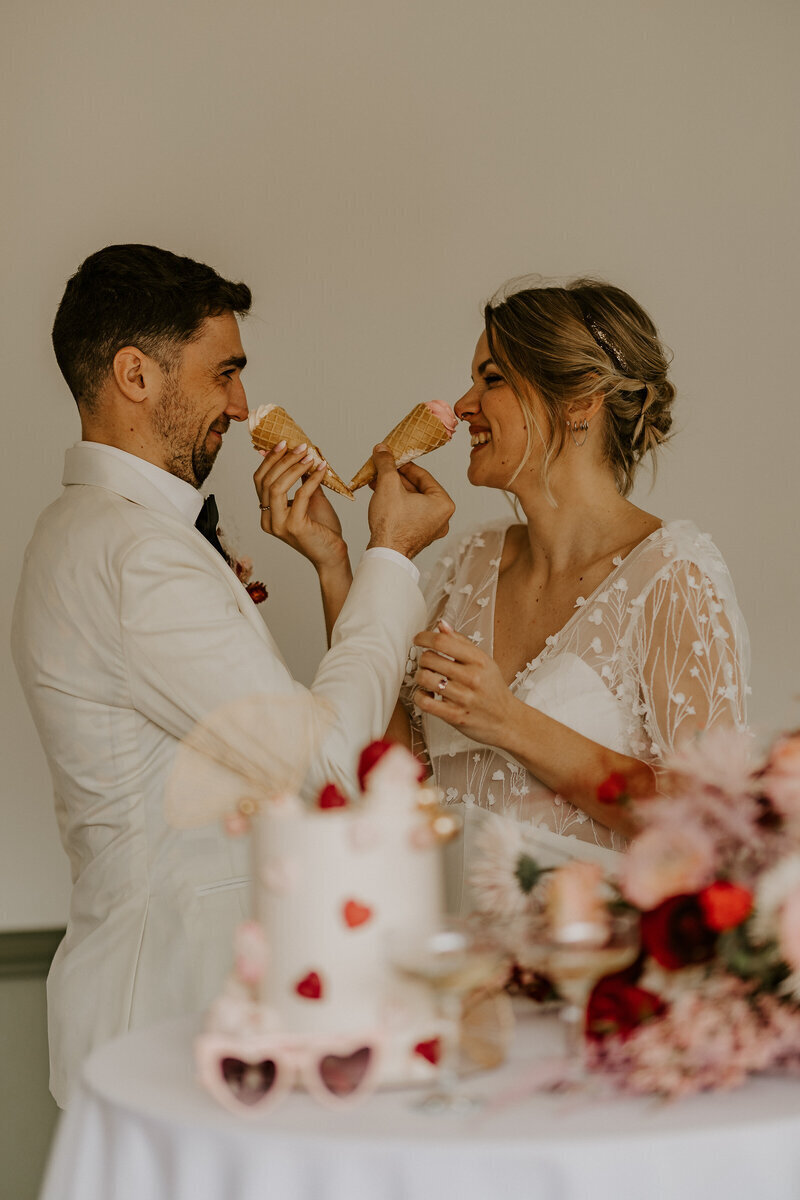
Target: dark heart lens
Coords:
[[249, 1082], [344, 1075]]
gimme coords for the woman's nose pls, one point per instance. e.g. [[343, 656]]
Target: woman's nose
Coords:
[[468, 405]]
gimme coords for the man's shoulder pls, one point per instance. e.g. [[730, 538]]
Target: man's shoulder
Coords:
[[89, 522]]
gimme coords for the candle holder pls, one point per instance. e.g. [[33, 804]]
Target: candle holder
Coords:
[[452, 960], [574, 958]]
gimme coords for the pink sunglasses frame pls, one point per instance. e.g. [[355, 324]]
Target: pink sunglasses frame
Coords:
[[296, 1057]]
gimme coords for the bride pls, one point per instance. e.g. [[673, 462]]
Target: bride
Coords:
[[591, 637]]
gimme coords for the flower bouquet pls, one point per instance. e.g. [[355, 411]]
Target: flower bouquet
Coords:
[[714, 874]]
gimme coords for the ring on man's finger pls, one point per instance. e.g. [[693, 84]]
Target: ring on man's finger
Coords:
[[264, 507]]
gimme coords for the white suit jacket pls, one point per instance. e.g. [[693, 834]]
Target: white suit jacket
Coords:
[[129, 628]]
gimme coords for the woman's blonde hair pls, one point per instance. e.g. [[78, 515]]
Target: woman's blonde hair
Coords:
[[569, 343]]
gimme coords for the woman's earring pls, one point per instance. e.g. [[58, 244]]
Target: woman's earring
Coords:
[[583, 426]]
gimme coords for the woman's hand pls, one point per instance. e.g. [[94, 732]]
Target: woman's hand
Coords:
[[462, 685], [308, 522]]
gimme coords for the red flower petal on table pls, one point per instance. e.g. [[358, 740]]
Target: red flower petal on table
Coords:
[[331, 797], [613, 790], [257, 592], [616, 1007], [310, 988], [356, 914], [675, 933], [431, 1050], [725, 905], [372, 755]]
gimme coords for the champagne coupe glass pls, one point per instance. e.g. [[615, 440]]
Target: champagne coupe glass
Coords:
[[451, 959], [574, 965]]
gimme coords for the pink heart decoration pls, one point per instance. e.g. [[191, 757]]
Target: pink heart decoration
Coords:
[[310, 987], [280, 876], [356, 914], [364, 834]]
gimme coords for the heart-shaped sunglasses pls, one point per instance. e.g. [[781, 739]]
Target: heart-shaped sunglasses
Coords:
[[254, 1072]]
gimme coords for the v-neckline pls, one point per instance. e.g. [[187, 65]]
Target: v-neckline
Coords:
[[554, 638]]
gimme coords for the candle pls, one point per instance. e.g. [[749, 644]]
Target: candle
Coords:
[[576, 908]]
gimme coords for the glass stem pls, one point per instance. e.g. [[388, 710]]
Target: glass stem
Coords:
[[450, 1008], [573, 1015]]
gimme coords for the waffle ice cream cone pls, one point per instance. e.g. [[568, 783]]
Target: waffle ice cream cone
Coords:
[[425, 428], [270, 424]]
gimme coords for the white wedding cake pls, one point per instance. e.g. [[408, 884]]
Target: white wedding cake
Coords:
[[314, 998]]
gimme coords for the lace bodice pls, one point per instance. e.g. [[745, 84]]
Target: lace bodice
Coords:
[[656, 652]]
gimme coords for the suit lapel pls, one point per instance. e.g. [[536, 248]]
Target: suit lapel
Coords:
[[115, 475]]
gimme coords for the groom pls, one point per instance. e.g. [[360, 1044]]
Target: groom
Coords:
[[130, 627]]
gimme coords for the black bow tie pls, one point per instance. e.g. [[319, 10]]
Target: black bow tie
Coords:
[[207, 522]]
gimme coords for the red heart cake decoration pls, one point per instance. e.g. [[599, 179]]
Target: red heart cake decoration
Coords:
[[331, 797], [310, 988], [431, 1050], [356, 914]]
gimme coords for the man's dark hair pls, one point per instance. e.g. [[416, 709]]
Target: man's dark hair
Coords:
[[135, 296]]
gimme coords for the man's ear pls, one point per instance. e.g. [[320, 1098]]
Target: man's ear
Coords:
[[136, 374]]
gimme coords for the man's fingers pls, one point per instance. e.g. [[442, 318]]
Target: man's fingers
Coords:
[[421, 479], [383, 459]]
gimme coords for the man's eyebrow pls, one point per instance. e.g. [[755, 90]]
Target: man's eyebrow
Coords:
[[236, 360]]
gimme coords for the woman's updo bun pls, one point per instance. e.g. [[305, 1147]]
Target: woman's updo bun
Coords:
[[569, 343]]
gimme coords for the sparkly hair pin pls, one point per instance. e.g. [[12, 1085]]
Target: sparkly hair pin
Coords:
[[603, 340]]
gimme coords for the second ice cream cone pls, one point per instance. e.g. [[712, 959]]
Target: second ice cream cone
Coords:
[[427, 427]]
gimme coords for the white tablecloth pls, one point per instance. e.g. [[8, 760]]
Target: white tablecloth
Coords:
[[140, 1128]]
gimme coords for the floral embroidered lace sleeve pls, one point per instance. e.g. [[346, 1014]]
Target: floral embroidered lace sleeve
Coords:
[[657, 652]]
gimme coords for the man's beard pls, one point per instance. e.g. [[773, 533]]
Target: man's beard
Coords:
[[186, 456]]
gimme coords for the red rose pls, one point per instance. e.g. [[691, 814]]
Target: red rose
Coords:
[[372, 755], [675, 933], [331, 797], [616, 1007], [257, 592], [614, 790], [725, 905]]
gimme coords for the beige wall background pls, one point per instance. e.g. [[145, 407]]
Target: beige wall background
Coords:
[[374, 171]]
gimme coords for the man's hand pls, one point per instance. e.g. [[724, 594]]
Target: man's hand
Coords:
[[408, 509]]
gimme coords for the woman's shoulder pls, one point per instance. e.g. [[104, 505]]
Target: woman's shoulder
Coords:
[[677, 548], [681, 540]]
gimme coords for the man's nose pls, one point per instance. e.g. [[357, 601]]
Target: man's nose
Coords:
[[236, 408]]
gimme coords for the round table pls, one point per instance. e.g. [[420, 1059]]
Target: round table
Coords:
[[140, 1128]]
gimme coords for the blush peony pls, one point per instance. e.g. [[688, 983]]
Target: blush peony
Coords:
[[665, 861]]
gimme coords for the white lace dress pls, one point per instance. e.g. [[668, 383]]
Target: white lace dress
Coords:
[[656, 652]]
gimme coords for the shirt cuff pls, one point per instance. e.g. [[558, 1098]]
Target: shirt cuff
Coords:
[[393, 556]]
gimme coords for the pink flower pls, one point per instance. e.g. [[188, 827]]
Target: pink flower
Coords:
[[667, 860], [789, 929], [720, 759], [781, 779]]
